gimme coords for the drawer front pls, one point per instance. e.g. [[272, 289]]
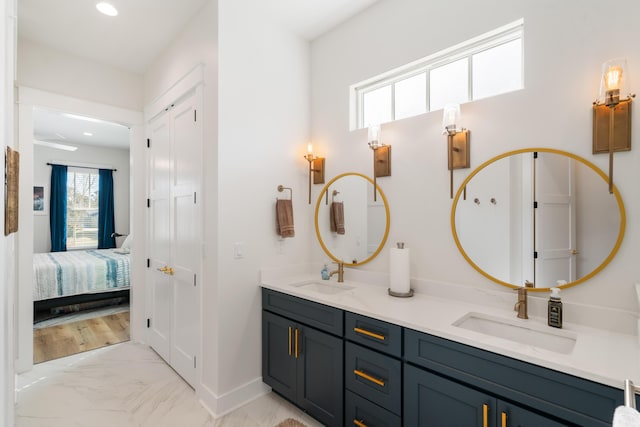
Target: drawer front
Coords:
[[567, 397], [323, 317], [360, 412], [374, 376], [376, 334]]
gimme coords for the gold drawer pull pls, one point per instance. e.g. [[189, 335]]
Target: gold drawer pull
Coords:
[[369, 334], [297, 336], [504, 419], [369, 377], [485, 415], [359, 423], [290, 341]]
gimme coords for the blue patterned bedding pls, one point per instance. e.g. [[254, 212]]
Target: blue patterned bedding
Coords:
[[58, 274]]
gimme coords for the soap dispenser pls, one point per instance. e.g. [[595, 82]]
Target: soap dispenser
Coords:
[[325, 273], [555, 309]]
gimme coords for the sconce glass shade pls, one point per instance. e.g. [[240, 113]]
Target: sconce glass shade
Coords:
[[374, 136], [615, 82], [450, 117]]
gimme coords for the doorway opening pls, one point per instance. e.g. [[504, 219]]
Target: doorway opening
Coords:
[[81, 229]]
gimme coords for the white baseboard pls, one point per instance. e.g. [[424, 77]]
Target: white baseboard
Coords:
[[219, 406]]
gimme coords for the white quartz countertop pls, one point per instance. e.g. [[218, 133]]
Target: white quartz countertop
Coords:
[[599, 355]]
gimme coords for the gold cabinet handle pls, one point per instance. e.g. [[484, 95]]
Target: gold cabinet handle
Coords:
[[485, 415], [359, 423], [369, 334], [290, 341], [297, 336], [369, 378], [504, 419]]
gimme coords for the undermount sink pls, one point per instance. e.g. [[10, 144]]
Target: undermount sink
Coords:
[[324, 288], [520, 331]]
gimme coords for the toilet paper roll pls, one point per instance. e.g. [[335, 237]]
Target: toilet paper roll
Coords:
[[399, 275]]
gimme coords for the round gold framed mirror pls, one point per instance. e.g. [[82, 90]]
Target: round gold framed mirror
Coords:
[[351, 226], [538, 215]]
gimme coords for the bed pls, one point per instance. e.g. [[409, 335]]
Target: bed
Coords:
[[70, 277]]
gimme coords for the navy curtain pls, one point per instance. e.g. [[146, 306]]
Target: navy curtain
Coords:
[[106, 221], [58, 208]]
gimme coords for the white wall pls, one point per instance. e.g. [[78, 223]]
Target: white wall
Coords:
[[7, 244], [86, 154], [44, 68], [565, 44], [264, 122]]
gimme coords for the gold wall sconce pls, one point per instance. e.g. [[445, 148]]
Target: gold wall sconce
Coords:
[[611, 114], [459, 154], [381, 157], [316, 168]]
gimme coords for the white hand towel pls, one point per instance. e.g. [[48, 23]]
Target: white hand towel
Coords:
[[625, 416]]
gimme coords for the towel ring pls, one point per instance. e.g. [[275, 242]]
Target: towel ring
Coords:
[[281, 188], [333, 195]]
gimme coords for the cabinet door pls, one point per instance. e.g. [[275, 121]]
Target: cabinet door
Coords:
[[278, 354], [433, 401], [510, 415], [320, 383]]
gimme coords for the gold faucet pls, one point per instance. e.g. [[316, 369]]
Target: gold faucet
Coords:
[[521, 305], [339, 271]]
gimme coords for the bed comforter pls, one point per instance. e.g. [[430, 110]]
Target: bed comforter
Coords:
[[59, 274]]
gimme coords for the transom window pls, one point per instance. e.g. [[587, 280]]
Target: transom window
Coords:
[[484, 66], [82, 209]]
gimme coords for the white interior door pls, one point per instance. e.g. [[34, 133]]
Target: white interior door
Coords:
[[186, 235], [555, 220], [160, 295], [175, 156]]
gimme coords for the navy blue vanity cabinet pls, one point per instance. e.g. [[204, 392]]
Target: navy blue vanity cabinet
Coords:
[[373, 372], [443, 377], [303, 363], [433, 400]]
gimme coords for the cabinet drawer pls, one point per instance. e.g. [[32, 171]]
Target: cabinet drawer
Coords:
[[319, 316], [564, 396], [374, 376], [376, 334], [360, 412]]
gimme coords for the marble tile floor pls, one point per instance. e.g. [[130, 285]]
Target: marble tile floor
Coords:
[[128, 385], [81, 315]]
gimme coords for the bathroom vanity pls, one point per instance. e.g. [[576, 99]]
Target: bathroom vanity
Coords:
[[349, 354]]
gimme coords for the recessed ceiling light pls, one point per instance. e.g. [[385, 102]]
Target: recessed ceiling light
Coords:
[[107, 9], [87, 133]]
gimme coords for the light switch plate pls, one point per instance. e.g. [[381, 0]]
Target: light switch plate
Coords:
[[238, 250]]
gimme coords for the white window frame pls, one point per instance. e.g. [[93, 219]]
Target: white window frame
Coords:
[[499, 36], [85, 171]]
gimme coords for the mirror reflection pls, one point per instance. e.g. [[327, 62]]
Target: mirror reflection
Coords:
[[542, 216], [351, 226]]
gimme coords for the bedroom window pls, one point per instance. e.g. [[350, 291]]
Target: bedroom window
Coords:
[[82, 209], [487, 65]]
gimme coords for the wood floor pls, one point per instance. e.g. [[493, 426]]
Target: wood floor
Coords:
[[75, 337]]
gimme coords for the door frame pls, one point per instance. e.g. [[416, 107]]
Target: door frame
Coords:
[[29, 98]]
